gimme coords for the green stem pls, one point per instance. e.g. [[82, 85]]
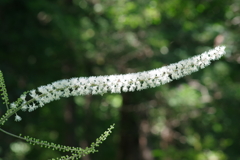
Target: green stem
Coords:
[[13, 135]]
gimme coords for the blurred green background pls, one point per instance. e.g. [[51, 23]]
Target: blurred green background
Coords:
[[193, 118]]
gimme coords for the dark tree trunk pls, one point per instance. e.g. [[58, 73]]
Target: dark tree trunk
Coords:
[[69, 118], [129, 131], [134, 129]]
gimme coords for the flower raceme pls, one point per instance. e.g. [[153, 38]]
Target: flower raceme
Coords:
[[117, 83]]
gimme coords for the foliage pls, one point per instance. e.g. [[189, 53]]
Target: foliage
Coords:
[[43, 41]]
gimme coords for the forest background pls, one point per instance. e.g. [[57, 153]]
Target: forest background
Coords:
[[193, 118]]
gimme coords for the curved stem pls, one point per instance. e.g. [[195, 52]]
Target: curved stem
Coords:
[[13, 135]]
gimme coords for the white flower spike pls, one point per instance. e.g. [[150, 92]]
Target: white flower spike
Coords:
[[119, 83]]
